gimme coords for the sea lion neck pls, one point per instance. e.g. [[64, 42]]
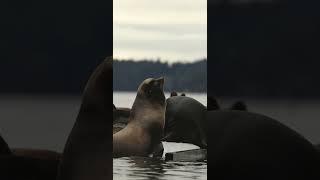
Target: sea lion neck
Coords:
[[89, 141]]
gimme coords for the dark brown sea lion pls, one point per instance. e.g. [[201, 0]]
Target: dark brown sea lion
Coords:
[[146, 122], [120, 118], [212, 103], [14, 167], [88, 152], [239, 105], [253, 146], [27, 163], [185, 121], [4, 148], [36, 153]]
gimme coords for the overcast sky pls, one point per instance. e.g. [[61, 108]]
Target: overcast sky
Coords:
[[167, 29]]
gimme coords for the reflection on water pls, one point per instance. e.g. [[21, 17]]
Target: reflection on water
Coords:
[[139, 168]]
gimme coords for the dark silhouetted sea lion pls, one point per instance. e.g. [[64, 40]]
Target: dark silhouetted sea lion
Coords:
[[4, 148], [252, 146], [36, 153], [27, 164], [185, 121], [239, 105], [14, 167], [212, 103], [146, 122], [88, 152], [317, 146], [183, 94]]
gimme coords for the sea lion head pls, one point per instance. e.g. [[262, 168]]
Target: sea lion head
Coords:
[[173, 93], [239, 105], [97, 91], [151, 92]]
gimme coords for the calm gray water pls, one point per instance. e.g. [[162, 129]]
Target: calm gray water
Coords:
[[138, 168], [45, 122]]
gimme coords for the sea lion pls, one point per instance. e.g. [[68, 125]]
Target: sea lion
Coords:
[[27, 164], [173, 93], [120, 114], [177, 120], [88, 150], [36, 153], [212, 103], [4, 148], [185, 121], [239, 105], [24, 167], [120, 118], [317, 146], [253, 146], [146, 122]]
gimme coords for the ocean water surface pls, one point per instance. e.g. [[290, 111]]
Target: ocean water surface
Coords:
[[45, 121]]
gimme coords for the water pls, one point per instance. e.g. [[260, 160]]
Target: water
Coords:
[[150, 168], [37, 121], [126, 99], [138, 168], [45, 122]]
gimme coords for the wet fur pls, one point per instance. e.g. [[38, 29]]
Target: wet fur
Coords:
[[145, 125]]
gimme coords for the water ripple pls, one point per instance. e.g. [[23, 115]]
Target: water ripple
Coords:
[[142, 168]]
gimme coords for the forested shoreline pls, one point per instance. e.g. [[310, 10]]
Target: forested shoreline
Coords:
[[186, 77]]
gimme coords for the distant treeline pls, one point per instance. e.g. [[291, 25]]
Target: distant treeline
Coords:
[[254, 49], [127, 75]]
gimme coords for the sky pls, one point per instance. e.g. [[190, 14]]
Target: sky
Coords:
[[172, 30]]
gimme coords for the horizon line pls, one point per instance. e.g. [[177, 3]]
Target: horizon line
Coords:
[[158, 59]]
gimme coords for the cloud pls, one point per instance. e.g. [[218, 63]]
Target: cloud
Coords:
[[174, 29]]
